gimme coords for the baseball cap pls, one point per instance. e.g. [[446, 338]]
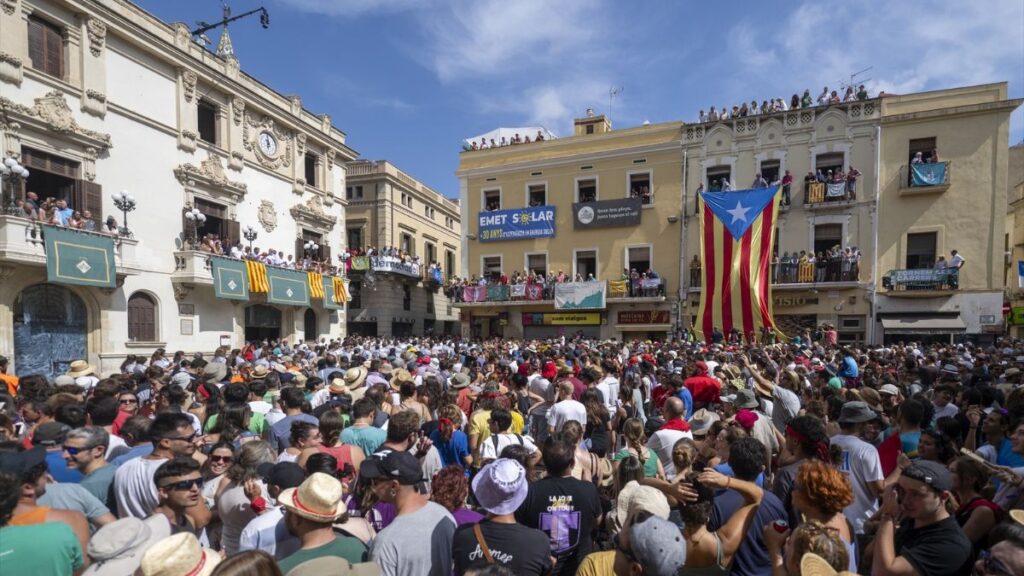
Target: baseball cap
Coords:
[[285, 475], [931, 473], [658, 545], [393, 465], [889, 389], [50, 433], [18, 462]]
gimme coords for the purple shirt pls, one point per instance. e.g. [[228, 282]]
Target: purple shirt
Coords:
[[466, 516]]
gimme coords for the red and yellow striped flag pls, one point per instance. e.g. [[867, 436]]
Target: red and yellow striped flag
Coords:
[[737, 233], [316, 285], [257, 276], [340, 293]]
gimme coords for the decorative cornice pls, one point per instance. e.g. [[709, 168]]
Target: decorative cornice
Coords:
[[210, 176], [331, 154], [10, 59], [9, 6], [53, 112], [312, 214], [97, 31]]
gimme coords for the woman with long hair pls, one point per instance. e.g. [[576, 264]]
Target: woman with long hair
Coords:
[[348, 456], [936, 446], [450, 488], [598, 434], [233, 425], [636, 446], [587, 466], [711, 553], [806, 439], [239, 483], [977, 515], [451, 442], [248, 563], [304, 435]]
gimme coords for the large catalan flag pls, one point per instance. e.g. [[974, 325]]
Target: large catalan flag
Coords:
[[736, 234]]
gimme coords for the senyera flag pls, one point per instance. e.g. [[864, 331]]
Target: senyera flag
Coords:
[[737, 232]]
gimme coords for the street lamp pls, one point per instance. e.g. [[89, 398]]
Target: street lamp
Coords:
[[311, 248], [13, 173], [124, 202], [250, 234], [196, 220]]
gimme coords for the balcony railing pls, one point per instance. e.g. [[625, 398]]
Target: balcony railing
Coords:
[[922, 279], [924, 178], [525, 293], [820, 194], [832, 270], [21, 242], [385, 265]]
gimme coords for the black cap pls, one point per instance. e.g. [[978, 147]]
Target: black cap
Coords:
[[285, 475], [393, 465], [933, 474], [19, 462], [50, 433]]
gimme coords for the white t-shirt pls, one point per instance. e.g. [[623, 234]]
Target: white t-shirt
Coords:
[[860, 462], [609, 388], [134, 488], [268, 533], [116, 446], [662, 443], [489, 452], [260, 406], [567, 410], [947, 410]]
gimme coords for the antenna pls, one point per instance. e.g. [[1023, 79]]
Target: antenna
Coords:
[[853, 79], [203, 27], [612, 93]]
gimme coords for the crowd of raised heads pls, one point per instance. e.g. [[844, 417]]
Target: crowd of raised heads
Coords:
[[516, 139], [797, 101], [436, 456]]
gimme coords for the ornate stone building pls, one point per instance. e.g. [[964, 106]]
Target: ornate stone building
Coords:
[[101, 97]]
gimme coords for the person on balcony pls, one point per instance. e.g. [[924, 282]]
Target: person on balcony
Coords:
[[787, 182], [956, 262], [918, 158], [759, 181]]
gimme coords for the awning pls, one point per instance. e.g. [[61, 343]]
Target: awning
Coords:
[[924, 325]]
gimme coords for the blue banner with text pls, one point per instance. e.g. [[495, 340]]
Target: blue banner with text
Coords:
[[517, 224]]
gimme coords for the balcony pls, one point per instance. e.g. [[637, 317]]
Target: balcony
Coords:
[[921, 283], [917, 179], [616, 291], [803, 276], [824, 195], [385, 265], [21, 243], [192, 267]]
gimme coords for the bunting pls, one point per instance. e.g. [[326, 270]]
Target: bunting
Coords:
[[257, 272]]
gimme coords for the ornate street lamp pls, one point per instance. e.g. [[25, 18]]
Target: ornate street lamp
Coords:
[[250, 234], [196, 220], [124, 202], [311, 248], [13, 174]]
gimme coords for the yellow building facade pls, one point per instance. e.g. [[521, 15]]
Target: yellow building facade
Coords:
[[387, 208]]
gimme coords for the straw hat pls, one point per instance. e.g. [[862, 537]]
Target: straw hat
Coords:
[[179, 554], [117, 548], [338, 386], [813, 565], [317, 499], [80, 368], [1017, 516], [398, 376], [260, 371], [354, 377], [459, 381]]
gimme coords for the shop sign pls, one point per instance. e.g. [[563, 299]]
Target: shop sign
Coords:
[[644, 317], [794, 301], [562, 319]]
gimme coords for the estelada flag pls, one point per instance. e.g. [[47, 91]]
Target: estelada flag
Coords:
[[737, 231]]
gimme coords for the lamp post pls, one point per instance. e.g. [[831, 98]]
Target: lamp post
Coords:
[[196, 220], [124, 202], [13, 173], [250, 234], [311, 248]]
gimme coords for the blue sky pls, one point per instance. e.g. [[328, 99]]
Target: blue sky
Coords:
[[407, 80]]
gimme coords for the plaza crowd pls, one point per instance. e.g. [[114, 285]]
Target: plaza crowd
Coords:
[[438, 456]]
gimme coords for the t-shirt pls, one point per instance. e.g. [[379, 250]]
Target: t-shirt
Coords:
[[144, 449], [454, 449], [416, 544], [752, 556], [73, 497], [785, 407], [650, 465], [347, 547], [785, 478], [281, 433], [662, 442], [491, 449], [567, 410], [938, 549], [50, 548], [598, 564], [134, 488], [369, 438], [100, 483], [523, 550], [565, 509], [860, 462]]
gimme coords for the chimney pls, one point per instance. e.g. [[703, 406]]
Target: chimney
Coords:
[[592, 124]]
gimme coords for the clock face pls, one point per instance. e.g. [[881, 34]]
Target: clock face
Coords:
[[268, 144]]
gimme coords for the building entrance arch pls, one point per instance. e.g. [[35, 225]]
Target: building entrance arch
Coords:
[[262, 322]]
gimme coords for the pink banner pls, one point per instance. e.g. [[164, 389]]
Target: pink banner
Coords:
[[474, 293], [534, 292]]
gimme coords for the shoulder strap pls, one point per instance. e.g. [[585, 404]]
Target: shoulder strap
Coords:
[[520, 438], [494, 440], [483, 545]]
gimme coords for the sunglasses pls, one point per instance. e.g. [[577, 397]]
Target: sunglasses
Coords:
[[74, 451], [225, 459], [129, 401], [188, 439], [185, 484]]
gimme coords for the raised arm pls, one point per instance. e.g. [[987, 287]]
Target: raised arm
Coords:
[[732, 532]]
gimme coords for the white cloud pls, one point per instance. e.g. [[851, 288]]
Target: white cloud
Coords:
[[553, 106], [354, 7]]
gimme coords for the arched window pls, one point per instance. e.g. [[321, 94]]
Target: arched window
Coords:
[[141, 318], [310, 325]]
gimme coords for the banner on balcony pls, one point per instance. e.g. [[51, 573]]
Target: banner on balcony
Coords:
[[474, 293], [517, 224], [534, 292], [434, 275], [607, 213], [650, 283], [287, 287], [230, 278], [82, 258], [928, 174], [618, 288], [257, 273], [360, 262], [335, 294], [835, 189], [517, 291], [580, 295], [394, 266], [316, 285], [497, 293], [1020, 273]]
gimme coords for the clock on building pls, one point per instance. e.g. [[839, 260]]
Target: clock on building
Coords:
[[268, 144]]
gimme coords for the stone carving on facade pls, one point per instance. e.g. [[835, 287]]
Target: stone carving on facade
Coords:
[[10, 59], [286, 141], [188, 139], [10, 68], [331, 154], [237, 160], [300, 140], [182, 35], [312, 214], [9, 6], [53, 111], [296, 104], [97, 31], [181, 291], [210, 175], [188, 82], [238, 110], [267, 215], [96, 95]]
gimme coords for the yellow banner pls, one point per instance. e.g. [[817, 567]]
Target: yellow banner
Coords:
[[257, 276], [618, 288], [562, 319], [340, 293], [316, 285]]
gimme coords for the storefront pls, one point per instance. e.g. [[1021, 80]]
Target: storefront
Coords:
[[643, 324]]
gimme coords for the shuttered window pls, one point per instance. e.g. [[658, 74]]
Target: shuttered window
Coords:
[[46, 47], [141, 318]]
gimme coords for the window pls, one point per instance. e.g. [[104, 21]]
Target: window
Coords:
[[537, 264], [926, 146], [717, 176], [355, 238], [586, 190], [216, 218], [311, 169], [921, 249], [832, 162], [851, 329], [586, 263], [430, 252], [46, 47], [590, 129], [141, 318], [491, 267], [640, 187], [207, 113], [492, 200], [638, 258], [770, 171], [430, 300], [537, 194], [827, 236], [449, 263], [426, 211], [354, 192], [406, 297], [51, 177], [407, 244], [449, 222], [355, 295]]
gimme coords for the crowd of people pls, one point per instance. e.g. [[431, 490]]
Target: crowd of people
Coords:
[[796, 102], [484, 143], [637, 283], [57, 212], [564, 456]]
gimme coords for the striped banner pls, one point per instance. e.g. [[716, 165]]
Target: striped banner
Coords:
[[335, 294], [316, 285], [257, 272], [618, 288]]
